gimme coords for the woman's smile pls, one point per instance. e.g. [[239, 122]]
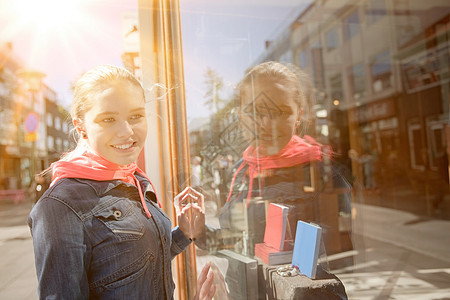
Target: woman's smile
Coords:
[[126, 146]]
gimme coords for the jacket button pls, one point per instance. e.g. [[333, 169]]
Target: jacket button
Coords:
[[117, 213]]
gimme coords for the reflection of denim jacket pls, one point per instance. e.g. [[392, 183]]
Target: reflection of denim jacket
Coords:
[[285, 186], [92, 239]]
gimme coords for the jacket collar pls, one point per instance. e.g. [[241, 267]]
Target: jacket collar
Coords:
[[103, 187]]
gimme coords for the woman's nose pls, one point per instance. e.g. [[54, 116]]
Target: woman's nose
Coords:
[[265, 121], [125, 129]]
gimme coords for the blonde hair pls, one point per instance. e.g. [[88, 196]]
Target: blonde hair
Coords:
[[300, 81], [95, 81]]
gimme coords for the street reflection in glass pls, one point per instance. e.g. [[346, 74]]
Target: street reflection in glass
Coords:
[[370, 94]]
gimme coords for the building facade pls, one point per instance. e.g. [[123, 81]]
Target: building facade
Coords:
[[34, 131], [387, 102]]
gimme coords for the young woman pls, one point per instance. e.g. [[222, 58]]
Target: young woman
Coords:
[[98, 231]]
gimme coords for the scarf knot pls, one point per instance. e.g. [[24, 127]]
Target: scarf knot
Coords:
[[89, 165], [297, 151]]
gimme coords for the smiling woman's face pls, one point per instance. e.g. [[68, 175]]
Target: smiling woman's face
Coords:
[[116, 125], [269, 111]]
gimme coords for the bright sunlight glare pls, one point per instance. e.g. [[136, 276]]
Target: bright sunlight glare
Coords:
[[47, 14]]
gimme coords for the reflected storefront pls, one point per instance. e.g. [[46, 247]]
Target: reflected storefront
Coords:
[[378, 111]]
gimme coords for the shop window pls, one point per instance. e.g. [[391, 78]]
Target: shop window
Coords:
[[381, 71], [352, 26]]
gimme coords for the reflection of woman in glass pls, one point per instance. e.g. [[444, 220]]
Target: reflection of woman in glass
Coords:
[[279, 165], [276, 166]]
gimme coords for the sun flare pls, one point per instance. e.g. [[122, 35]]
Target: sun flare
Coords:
[[48, 27], [48, 14]]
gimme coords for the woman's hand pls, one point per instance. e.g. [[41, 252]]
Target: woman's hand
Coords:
[[190, 209], [205, 287]]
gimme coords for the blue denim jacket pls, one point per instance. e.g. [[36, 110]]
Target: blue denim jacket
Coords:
[[92, 240]]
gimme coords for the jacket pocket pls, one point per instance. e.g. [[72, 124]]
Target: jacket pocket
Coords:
[[122, 220], [124, 276]]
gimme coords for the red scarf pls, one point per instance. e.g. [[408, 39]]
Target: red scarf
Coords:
[[92, 166], [296, 152]]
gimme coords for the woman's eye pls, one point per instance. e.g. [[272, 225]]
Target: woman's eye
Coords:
[[137, 117], [108, 120], [285, 114]]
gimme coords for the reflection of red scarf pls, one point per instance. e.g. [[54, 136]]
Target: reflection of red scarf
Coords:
[[92, 166], [296, 152]]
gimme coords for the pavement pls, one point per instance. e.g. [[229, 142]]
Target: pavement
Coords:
[[18, 274], [396, 255]]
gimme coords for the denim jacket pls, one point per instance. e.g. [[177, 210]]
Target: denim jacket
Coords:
[[92, 240]]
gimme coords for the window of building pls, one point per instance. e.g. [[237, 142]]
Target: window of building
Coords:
[[332, 39], [381, 71], [66, 145], [303, 59], [336, 91], [358, 81], [58, 144], [286, 57], [417, 150], [65, 127], [58, 123], [375, 10], [437, 144], [49, 120], [50, 143], [352, 25], [317, 65], [4, 90]]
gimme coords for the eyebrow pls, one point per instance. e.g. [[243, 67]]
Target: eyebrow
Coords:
[[116, 113], [284, 107]]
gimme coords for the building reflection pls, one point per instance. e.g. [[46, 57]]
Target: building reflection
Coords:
[[381, 72]]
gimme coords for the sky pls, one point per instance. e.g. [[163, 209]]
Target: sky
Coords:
[[63, 39], [227, 37]]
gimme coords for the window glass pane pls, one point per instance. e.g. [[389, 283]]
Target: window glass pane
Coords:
[[303, 61], [49, 119], [352, 25], [381, 72], [365, 85], [358, 81], [376, 9], [332, 39]]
